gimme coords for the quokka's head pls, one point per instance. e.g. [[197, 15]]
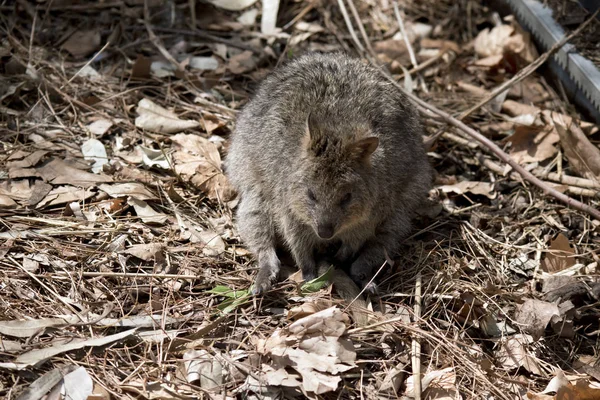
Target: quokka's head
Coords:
[[333, 187]]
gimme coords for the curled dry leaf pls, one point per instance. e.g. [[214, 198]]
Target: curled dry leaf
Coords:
[[157, 119], [583, 389], [145, 251], [59, 172], [504, 39], [535, 315], [65, 194], [242, 63], [93, 149], [232, 5], [474, 187], [198, 160], [560, 256], [439, 384], [147, 213], [203, 367], [583, 156], [513, 353], [99, 127]]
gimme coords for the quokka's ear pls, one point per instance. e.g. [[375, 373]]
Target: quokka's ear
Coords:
[[362, 149], [313, 142]]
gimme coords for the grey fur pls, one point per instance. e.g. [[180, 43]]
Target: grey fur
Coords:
[[313, 124]]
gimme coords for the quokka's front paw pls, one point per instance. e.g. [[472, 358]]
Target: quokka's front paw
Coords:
[[363, 280], [263, 282]]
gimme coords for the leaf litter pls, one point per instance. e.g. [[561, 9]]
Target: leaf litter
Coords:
[[121, 265]]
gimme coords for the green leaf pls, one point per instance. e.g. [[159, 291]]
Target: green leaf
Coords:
[[228, 292], [318, 283]]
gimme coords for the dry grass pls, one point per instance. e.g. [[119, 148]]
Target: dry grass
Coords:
[[479, 257]]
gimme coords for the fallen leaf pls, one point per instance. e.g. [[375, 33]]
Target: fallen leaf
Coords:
[[213, 243], [513, 353], [242, 63], [474, 187], [155, 118], [535, 315], [65, 194], [560, 256], [198, 160], [145, 251], [232, 5], [154, 158], [45, 383], [583, 156], [6, 202], [141, 67], [314, 347], [59, 172], [147, 213], [202, 366], [93, 149], [99, 127], [269, 17], [82, 43], [133, 189], [503, 39], [77, 385], [439, 384], [392, 50], [533, 143], [204, 63], [37, 356], [565, 390]]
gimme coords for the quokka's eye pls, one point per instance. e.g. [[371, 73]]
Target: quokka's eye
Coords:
[[311, 196], [346, 199]]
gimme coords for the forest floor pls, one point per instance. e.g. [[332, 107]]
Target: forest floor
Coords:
[[121, 271]]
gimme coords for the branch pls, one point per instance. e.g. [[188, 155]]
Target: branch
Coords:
[[528, 70]]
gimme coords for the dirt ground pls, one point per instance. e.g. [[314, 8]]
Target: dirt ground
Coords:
[[121, 271]]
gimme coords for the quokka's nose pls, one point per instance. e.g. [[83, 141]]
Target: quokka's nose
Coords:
[[325, 231]]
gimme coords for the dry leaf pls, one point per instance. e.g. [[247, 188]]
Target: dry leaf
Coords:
[[242, 63], [82, 43], [269, 17], [133, 189], [99, 127], [145, 251], [145, 212], [93, 149], [565, 390], [77, 385], [535, 315], [583, 156], [561, 255], [59, 172], [514, 353], [202, 366], [155, 118], [474, 187], [314, 347], [533, 143], [436, 385], [204, 63], [232, 5], [503, 39], [198, 160], [65, 194]]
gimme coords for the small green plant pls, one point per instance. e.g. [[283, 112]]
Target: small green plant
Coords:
[[233, 298]]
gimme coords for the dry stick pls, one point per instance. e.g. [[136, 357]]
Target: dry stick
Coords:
[[357, 43], [525, 72], [156, 41], [411, 52], [573, 189], [500, 154], [361, 28], [416, 345]]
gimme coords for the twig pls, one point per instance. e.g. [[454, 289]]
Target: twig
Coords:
[[411, 52], [424, 65], [156, 41], [525, 72], [125, 275], [361, 28], [416, 345], [357, 43], [298, 17], [499, 153], [571, 188]]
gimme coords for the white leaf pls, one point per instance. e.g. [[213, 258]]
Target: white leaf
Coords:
[[204, 63], [155, 118], [99, 127], [269, 16], [232, 5], [93, 149], [77, 385]]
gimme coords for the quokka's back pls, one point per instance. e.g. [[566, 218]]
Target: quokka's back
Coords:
[[327, 154]]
